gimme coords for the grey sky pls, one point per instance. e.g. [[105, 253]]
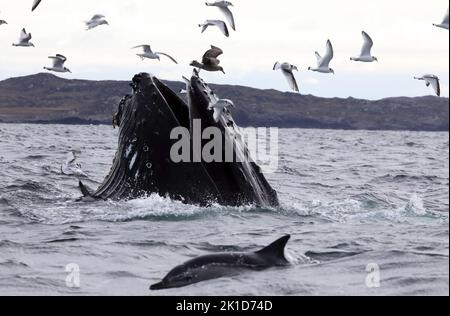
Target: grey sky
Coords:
[[406, 43]]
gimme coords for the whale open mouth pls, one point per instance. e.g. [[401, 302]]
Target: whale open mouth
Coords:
[[144, 163]]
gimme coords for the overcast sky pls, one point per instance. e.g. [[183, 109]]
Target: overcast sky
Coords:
[[406, 43]]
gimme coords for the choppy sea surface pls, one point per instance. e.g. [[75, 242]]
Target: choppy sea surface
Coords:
[[351, 200]]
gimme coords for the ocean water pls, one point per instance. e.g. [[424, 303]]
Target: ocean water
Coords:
[[360, 206]]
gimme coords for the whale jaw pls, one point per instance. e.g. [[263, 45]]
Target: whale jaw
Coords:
[[144, 163]]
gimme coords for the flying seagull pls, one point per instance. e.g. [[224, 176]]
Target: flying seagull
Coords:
[[223, 6], [431, 80], [95, 21], [366, 55], [210, 61], [444, 23], [148, 53], [35, 4], [219, 107], [323, 63], [58, 64], [24, 40], [220, 24], [288, 71]]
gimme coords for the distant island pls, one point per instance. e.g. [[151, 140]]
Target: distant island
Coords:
[[45, 98]]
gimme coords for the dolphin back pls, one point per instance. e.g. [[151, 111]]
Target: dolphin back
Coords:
[[275, 252]]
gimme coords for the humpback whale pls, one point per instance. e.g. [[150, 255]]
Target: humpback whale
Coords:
[[215, 266], [143, 164]]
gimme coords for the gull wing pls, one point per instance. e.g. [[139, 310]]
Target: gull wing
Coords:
[[58, 61], [291, 80], [24, 36], [434, 82], [71, 158], [35, 4], [204, 27], [168, 56], [229, 15], [214, 52], [217, 113], [319, 58], [445, 20], [145, 48], [97, 17], [277, 66], [221, 25], [61, 57], [367, 46], [329, 54]]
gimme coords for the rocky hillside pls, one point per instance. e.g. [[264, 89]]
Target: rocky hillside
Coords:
[[46, 98]]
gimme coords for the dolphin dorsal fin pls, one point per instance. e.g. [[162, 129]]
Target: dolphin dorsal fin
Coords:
[[276, 249]]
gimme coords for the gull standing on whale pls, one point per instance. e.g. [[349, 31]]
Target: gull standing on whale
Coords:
[[58, 64], [35, 4], [209, 60], [24, 40], [187, 82], [366, 55], [220, 107], [288, 71], [148, 53], [323, 63], [431, 80], [95, 21], [220, 24], [223, 6], [444, 23]]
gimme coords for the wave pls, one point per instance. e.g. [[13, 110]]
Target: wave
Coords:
[[152, 208]]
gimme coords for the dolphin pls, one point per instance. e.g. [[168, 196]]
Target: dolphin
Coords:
[[215, 266]]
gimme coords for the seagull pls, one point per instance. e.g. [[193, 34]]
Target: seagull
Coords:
[[323, 63], [366, 56], [219, 107], [210, 61], [58, 64], [148, 53], [220, 24], [223, 6], [432, 80], [24, 40], [35, 4], [95, 21], [71, 167], [287, 70], [187, 82], [444, 23]]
